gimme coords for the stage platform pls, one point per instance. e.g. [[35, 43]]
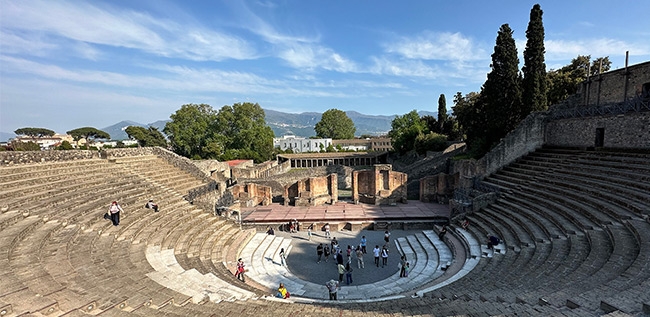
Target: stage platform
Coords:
[[347, 212]]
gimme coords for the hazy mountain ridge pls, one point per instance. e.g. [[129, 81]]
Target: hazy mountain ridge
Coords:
[[282, 123]]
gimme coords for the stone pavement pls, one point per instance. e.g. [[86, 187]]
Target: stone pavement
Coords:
[[305, 277], [346, 211]]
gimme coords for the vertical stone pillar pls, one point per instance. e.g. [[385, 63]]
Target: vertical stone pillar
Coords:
[[355, 187]]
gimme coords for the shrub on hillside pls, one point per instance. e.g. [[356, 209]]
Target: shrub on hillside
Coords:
[[430, 142]]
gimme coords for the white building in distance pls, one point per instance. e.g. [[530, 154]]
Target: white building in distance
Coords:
[[300, 145]]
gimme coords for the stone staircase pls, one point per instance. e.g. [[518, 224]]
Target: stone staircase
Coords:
[[571, 223]]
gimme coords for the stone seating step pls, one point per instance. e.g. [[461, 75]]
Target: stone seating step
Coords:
[[536, 233], [27, 302], [154, 231], [593, 271], [574, 223], [144, 218], [198, 240], [200, 287], [580, 201], [187, 237], [535, 213], [27, 253], [176, 232]]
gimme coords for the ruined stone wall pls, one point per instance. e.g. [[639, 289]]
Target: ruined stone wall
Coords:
[[363, 183], [379, 186], [313, 191], [215, 169], [251, 194], [615, 86], [438, 188], [527, 137], [630, 130], [28, 157]]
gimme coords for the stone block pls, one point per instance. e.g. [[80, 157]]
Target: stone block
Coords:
[[571, 304], [355, 225], [607, 308]]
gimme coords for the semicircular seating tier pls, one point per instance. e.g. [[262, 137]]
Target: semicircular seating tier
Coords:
[[574, 225]]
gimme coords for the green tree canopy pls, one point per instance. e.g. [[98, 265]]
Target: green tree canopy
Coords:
[[564, 82], [470, 124], [24, 146], [65, 145], [243, 128], [234, 132], [88, 133], [335, 124], [430, 142], [146, 136], [34, 132], [191, 132], [404, 131], [534, 83], [431, 123]]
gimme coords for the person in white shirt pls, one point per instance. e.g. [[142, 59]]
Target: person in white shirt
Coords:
[[115, 210]]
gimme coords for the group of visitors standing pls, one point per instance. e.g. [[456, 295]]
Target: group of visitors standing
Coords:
[[342, 256]]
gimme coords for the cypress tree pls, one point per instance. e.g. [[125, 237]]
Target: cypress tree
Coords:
[[534, 83], [500, 102], [442, 112]]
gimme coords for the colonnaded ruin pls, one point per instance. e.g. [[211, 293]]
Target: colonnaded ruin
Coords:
[[568, 193]]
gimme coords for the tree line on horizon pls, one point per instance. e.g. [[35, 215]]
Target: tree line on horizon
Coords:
[[481, 119]]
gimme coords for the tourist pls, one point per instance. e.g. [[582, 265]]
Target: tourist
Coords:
[[282, 292], [376, 251], [384, 256], [402, 265], [291, 227], [349, 251], [269, 230], [465, 223], [492, 241], [296, 225], [151, 205], [283, 257], [319, 251], [407, 269], [332, 287], [386, 236], [114, 210], [335, 245], [239, 272], [339, 257], [348, 274], [309, 232], [442, 233], [363, 244], [326, 252], [341, 269], [360, 263], [327, 231]]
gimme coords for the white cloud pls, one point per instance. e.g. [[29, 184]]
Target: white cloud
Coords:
[[403, 68], [566, 50], [84, 22], [308, 56], [32, 44], [436, 46]]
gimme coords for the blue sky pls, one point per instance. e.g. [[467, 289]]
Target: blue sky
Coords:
[[65, 65]]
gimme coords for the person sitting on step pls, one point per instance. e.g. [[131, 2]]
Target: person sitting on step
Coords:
[[492, 241], [151, 205]]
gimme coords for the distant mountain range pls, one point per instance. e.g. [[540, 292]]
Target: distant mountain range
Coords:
[[282, 123]]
